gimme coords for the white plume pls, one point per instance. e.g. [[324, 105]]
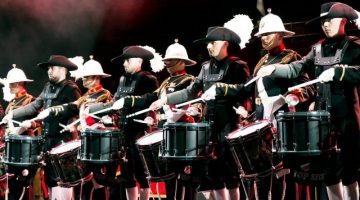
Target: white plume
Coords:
[[7, 96], [241, 25], [78, 61], [357, 21], [156, 63]]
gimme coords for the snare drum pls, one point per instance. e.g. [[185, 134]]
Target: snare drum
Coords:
[[149, 146], [64, 160], [302, 133], [251, 147], [185, 141], [22, 151], [100, 146]]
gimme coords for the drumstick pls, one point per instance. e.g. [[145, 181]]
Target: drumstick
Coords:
[[303, 84], [67, 127], [101, 111], [140, 121], [189, 102], [138, 112], [252, 80]]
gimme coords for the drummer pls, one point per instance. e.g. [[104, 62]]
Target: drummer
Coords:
[[57, 91], [134, 82], [176, 59], [15, 81], [334, 61], [91, 74], [267, 90], [221, 67]]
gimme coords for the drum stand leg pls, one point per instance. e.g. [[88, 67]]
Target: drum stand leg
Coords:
[[22, 193], [7, 187], [240, 170], [284, 189], [182, 188]]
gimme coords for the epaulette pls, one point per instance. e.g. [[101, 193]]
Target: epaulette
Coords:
[[147, 74], [237, 60], [291, 56], [354, 39]]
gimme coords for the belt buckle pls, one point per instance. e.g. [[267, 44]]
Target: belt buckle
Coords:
[[258, 101]]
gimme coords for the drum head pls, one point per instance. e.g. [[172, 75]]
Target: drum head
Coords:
[[66, 147], [151, 138], [251, 128]]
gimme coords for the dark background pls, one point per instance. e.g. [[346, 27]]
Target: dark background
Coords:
[[31, 31]]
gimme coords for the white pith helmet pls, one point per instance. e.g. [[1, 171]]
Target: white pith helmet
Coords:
[[93, 68], [178, 51], [16, 75], [271, 23]]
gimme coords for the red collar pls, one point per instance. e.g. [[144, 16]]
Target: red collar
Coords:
[[20, 94], [95, 89]]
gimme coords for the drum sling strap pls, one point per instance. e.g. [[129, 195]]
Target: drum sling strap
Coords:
[[125, 90], [323, 99], [49, 97]]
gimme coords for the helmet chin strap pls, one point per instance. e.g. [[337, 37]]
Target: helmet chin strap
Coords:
[[175, 68]]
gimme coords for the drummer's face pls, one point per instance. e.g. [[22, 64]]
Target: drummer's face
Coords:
[[333, 27], [215, 47], [89, 81], [14, 88], [132, 65], [56, 73], [271, 40]]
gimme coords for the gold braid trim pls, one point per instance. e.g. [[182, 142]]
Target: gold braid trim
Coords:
[[81, 100], [16, 103], [291, 56], [163, 85], [185, 79], [260, 63], [104, 98]]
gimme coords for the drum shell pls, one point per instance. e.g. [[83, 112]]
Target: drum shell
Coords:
[[67, 168], [302, 133], [100, 146], [22, 150], [185, 141], [156, 169], [253, 151]]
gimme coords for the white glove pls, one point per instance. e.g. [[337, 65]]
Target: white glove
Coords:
[[357, 21], [26, 124], [241, 111], [327, 75], [106, 119], [292, 100], [209, 94], [118, 104], [156, 105], [192, 111], [149, 121], [172, 116], [266, 70], [7, 118], [43, 114]]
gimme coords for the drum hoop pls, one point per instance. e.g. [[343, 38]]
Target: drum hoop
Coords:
[[146, 136], [245, 137], [51, 152], [184, 124]]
